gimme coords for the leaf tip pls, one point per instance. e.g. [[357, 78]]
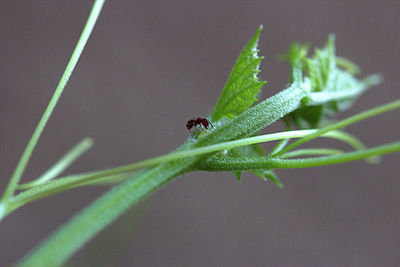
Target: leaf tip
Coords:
[[272, 176], [238, 176], [373, 79], [258, 32], [2, 209], [88, 141], [280, 185], [331, 37]]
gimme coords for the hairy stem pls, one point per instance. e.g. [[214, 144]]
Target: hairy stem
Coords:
[[61, 184], [235, 164], [343, 123]]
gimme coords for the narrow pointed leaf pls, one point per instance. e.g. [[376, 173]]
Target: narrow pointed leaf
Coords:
[[238, 175], [273, 178]]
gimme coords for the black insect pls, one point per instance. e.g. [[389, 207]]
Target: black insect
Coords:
[[198, 122]]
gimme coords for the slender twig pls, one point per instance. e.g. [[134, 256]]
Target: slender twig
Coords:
[[19, 170], [343, 123]]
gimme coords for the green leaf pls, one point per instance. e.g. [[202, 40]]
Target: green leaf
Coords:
[[243, 86], [267, 174], [238, 175], [328, 80], [270, 174], [296, 55], [240, 92]]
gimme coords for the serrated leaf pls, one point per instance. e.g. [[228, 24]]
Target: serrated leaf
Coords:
[[243, 86]]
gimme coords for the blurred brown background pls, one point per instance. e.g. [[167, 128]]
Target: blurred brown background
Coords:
[[149, 66]]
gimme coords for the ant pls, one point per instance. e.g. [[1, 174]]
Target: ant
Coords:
[[198, 122]]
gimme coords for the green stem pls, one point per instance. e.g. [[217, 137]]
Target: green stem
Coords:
[[65, 183], [235, 164], [229, 145], [346, 64], [69, 182], [62, 184], [73, 181], [254, 118], [59, 185], [61, 165], [343, 123], [311, 152], [19, 170]]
